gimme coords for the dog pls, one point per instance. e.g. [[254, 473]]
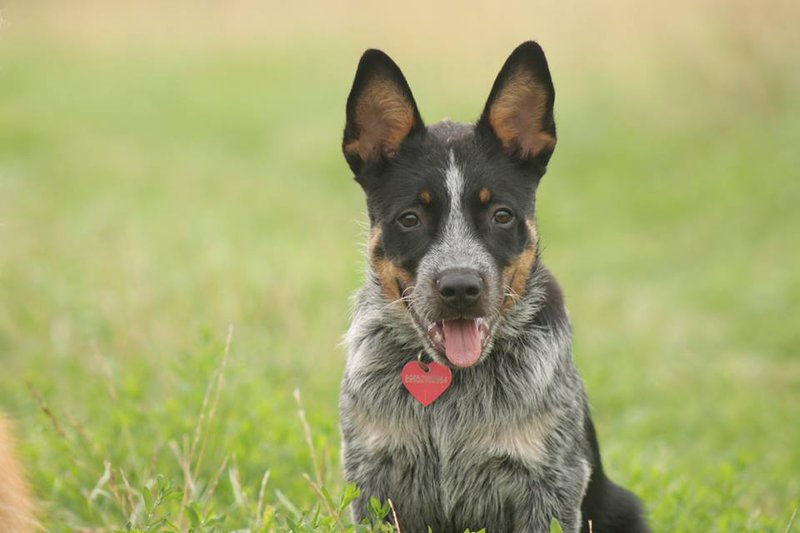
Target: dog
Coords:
[[460, 402], [16, 503]]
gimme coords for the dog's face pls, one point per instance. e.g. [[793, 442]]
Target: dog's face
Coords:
[[451, 207]]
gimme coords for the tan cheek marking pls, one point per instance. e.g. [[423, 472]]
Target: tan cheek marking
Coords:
[[485, 195], [388, 273], [374, 241], [515, 275], [426, 197]]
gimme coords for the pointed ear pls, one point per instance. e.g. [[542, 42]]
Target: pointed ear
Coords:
[[519, 111], [381, 112]]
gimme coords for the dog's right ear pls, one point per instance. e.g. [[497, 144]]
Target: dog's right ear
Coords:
[[381, 112]]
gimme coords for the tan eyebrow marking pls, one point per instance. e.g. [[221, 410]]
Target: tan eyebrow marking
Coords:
[[485, 195], [426, 197]]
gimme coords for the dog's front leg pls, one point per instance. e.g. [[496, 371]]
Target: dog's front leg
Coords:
[[570, 520], [414, 509], [404, 473], [537, 521]]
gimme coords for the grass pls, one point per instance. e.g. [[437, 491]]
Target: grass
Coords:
[[179, 236]]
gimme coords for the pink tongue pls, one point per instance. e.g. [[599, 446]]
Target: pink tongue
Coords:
[[462, 342]]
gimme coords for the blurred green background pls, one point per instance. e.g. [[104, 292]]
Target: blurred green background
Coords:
[[168, 169]]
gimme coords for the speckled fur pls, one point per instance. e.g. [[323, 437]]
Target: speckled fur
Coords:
[[471, 459]]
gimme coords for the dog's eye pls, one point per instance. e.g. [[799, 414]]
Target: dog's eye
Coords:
[[408, 220], [502, 217]]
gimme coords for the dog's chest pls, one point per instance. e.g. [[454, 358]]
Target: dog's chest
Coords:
[[483, 415], [458, 453], [464, 429], [472, 428]]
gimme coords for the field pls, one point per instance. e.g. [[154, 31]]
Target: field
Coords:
[[177, 224]]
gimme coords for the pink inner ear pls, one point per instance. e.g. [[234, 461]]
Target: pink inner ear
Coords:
[[384, 117], [518, 113]]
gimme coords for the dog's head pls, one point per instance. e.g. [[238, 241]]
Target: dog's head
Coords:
[[451, 206]]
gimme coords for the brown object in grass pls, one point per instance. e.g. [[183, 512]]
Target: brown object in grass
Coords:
[[16, 501]]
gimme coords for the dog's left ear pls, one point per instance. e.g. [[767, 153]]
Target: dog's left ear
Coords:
[[381, 112], [519, 111]]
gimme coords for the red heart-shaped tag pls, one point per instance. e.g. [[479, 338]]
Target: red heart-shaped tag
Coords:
[[426, 382]]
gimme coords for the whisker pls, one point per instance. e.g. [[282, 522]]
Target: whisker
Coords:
[[511, 293], [405, 297], [391, 303]]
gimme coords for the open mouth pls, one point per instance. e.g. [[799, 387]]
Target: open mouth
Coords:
[[461, 340]]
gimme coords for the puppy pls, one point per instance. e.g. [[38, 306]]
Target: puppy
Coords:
[[460, 401]]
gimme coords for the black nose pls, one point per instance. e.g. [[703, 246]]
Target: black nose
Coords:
[[459, 287]]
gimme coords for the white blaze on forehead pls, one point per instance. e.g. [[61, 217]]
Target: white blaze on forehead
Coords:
[[458, 244], [456, 224]]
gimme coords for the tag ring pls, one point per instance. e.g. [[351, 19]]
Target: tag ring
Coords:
[[420, 362]]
